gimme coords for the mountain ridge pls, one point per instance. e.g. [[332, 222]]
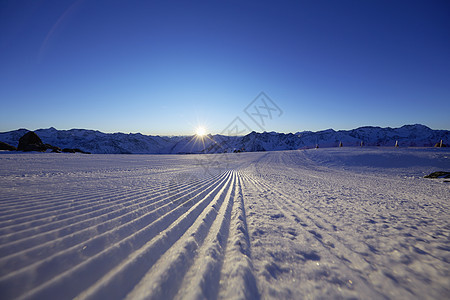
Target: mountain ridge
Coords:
[[94, 141]]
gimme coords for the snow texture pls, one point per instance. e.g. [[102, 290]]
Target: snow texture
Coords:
[[120, 143], [315, 224]]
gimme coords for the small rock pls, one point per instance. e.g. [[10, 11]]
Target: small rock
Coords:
[[438, 174]]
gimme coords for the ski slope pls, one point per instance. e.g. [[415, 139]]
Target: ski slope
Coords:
[[319, 223]]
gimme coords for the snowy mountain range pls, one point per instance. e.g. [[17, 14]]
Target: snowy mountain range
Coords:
[[98, 142]]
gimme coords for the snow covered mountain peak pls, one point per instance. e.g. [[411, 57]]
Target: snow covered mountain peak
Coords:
[[93, 141]]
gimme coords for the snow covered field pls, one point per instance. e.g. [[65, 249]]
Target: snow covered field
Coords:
[[320, 223]]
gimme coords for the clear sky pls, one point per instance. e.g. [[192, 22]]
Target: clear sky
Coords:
[[166, 67]]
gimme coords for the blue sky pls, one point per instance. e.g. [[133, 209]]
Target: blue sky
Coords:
[[166, 67]]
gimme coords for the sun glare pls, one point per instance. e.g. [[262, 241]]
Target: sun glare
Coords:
[[200, 131]]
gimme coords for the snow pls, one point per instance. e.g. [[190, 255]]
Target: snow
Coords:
[[120, 143], [317, 223]]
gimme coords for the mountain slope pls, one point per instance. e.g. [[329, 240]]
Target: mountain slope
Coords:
[[98, 142]]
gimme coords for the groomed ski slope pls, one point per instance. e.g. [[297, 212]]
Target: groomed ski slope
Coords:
[[320, 223]]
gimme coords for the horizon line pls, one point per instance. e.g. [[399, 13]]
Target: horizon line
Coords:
[[213, 134]]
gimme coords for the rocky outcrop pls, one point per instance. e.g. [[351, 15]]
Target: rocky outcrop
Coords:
[[8, 147], [53, 148], [30, 141], [438, 174]]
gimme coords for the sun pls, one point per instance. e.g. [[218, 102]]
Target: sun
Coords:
[[200, 131]]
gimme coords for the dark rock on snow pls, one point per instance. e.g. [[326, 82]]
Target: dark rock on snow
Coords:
[[53, 148], [5, 146], [439, 174], [30, 141]]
